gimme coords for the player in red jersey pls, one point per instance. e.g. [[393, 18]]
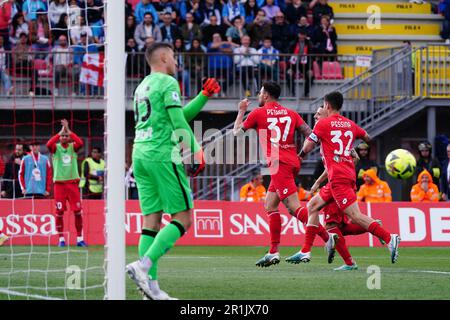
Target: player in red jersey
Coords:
[[336, 134], [276, 126]]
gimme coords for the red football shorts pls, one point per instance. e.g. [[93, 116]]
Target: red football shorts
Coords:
[[325, 193], [334, 215], [282, 179], [344, 193], [67, 192]]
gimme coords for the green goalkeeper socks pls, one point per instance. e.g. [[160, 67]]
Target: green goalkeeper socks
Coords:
[[165, 240], [145, 241]]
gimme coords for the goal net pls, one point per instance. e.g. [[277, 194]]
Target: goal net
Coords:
[[56, 55]]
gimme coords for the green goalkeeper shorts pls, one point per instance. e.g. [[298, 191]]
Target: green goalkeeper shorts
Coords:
[[162, 186]]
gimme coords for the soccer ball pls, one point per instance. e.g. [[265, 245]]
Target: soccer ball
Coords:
[[400, 164]]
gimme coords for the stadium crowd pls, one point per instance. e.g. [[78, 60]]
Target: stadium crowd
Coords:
[[264, 27]]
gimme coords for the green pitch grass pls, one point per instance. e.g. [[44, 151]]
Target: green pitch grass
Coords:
[[221, 273]]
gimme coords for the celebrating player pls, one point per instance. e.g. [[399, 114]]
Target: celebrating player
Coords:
[[161, 124], [276, 127], [66, 179], [336, 134]]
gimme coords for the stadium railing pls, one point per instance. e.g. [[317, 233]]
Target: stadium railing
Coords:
[[82, 75]]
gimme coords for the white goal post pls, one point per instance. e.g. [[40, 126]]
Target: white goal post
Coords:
[[115, 150]]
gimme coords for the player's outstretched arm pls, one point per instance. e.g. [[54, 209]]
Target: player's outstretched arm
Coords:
[[366, 138], [191, 110], [243, 106], [182, 130], [305, 130], [308, 145]]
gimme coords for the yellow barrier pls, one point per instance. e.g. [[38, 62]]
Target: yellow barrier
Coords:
[[362, 50], [386, 8], [353, 71], [432, 72], [389, 29]]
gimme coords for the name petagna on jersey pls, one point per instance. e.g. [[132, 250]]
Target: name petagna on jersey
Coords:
[[272, 112]]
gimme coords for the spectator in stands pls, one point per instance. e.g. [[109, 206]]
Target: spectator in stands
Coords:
[[212, 28], [92, 174], [232, 9], [445, 177], [254, 191], [208, 9], [19, 25], [444, 10], [55, 10], [128, 9], [182, 72], [251, 10], [35, 174], [169, 30], [321, 8], [303, 24], [23, 61], [280, 33], [164, 6], [5, 20], [427, 162], [10, 186], [425, 190], [143, 7], [237, 31], [62, 63], [190, 30], [259, 29], [325, 38], [5, 63], [61, 28], [269, 63], [77, 30], [300, 64], [295, 11], [130, 27], [74, 12], [40, 33], [192, 7], [364, 163], [374, 189], [93, 11], [133, 58], [220, 61], [195, 63], [271, 9], [31, 7], [147, 29], [303, 195], [246, 61]]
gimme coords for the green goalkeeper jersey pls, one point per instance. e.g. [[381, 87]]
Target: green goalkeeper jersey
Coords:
[[154, 130]]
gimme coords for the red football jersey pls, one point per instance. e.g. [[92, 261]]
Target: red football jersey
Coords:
[[276, 126], [336, 135]]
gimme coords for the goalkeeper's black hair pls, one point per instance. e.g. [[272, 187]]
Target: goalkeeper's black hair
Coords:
[[272, 88]]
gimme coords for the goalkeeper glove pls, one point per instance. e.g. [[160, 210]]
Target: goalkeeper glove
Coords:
[[210, 87], [199, 164]]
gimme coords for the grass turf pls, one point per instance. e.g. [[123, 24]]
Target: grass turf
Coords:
[[224, 273]]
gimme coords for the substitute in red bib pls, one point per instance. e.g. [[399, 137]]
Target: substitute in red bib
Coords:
[[64, 147]]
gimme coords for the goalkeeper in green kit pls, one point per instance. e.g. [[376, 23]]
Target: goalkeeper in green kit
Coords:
[[161, 125]]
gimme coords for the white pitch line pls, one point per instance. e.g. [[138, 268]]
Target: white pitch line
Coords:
[[20, 294], [430, 271]]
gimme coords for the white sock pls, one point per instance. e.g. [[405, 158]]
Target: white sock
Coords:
[[154, 286], [146, 263], [61, 239], [79, 239], [1, 234]]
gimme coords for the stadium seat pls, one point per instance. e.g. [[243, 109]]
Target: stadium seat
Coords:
[[331, 70], [316, 71]]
